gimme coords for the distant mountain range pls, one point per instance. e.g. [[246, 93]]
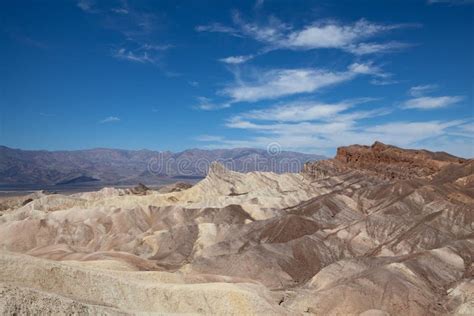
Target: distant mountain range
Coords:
[[117, 166]]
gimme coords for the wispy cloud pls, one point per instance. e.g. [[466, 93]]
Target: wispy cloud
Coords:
[[143, 53], [367, 69], [139, 57], [110, 119], [418, 91], [383, 81], [319, 126], [373, 48], [334, 35], [218, 28], [120, 10], [207, 104], [465, 130], [350, 37], [428, 103], [87, 6], [137, 27], [303, 111], [469, 128], [423, 102], [278, 83], [236, 59]]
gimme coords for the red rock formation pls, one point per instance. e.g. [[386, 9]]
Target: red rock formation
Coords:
[[388, 161]]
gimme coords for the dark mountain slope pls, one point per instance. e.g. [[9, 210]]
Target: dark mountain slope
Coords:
[[116, 166]]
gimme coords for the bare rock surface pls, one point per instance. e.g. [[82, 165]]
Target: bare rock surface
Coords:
[[376, 231]]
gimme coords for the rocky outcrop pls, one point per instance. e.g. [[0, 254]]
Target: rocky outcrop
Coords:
[[140, 189], [175, 187], [385, 161]]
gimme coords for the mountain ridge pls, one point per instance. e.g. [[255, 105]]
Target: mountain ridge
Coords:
[[122, 166]]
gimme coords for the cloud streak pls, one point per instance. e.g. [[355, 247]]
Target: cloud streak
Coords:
[[418, 91], [278, 83], [207, 104], [318, 127], [87, 6], [110, 119], [139, 57], [137, 27], [351, 37], [429, 103], [422, 102], [236, 59]]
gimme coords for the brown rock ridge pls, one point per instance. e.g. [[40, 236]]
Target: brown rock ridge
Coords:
[[386, 161]]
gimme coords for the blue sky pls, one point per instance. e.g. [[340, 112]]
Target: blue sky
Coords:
[[170, 75]]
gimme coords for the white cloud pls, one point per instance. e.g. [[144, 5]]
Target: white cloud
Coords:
[[144, 53], [418, 91], [349, 37], [468, 128], [137, 28], [86, 6], [217, 28], [300, 111], [154, 47], [278, 83], [423, 102], [139, 57], [383, 81], [120, 10], [323, 136], [334, 35], [110, 119], [465, 130], [372, 48], [428, 103], [459, 146], [367, 69], [319, 127], [406, 133], [284, 82], [236, 59], [207, 104]]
